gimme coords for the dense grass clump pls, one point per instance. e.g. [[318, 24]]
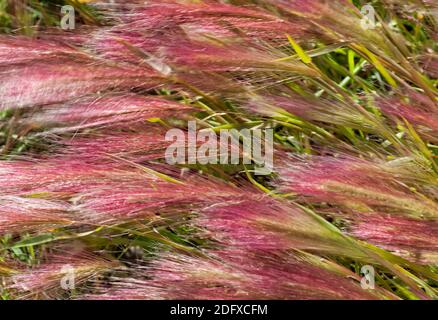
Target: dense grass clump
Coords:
[[86, 191]]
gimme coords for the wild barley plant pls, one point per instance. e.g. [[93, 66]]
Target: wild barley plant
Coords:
[[86, 193]]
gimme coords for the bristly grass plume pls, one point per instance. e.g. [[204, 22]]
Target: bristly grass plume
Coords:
[[91, 209]]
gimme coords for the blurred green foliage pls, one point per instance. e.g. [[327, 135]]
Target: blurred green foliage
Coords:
[[28, 16]]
